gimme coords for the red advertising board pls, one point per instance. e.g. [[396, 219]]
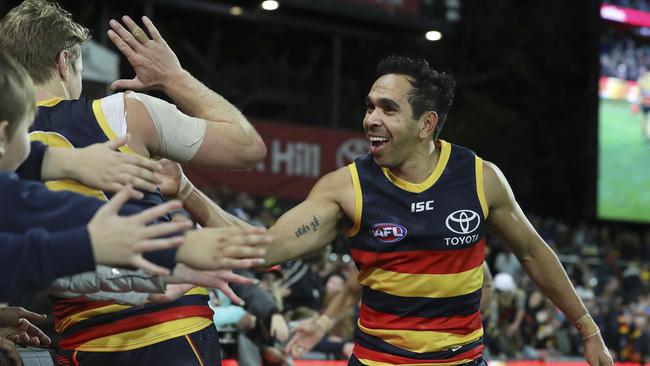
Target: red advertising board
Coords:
[[297, 156], [228, 362], [624, 15], [408, 7]]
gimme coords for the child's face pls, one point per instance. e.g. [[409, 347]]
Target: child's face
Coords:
[[14, 152]]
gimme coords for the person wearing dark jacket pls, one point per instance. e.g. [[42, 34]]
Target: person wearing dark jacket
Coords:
[[270, 325]]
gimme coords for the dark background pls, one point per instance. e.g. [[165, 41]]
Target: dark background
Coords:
[[526, 71]]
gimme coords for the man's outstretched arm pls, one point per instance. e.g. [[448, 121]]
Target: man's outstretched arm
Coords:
[[203, 210], [216, 135], [305, 228], [508, 222]]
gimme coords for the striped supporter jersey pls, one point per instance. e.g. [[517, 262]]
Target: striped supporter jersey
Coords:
[[104, 326], [420, 250]]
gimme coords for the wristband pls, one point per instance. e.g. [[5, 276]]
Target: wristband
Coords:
[[184, 188], [586, 326], [325, 323], [591, 335]]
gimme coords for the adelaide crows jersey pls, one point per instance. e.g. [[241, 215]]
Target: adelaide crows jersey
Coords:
[[420, 250], [106, 326]]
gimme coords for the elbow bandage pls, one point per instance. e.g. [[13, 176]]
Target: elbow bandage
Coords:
[[179, 135]]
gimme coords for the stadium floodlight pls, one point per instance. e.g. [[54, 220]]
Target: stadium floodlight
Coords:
[[433, 35], [236, 10], [270, 5]]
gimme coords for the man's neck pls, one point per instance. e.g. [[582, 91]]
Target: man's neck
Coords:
[[50, 90], [421, 165]]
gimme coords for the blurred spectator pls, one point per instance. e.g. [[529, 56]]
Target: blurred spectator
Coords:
[[631, 282], [260, 324], [624, 56], [507, 262], [505, 332], [302, 285], [343, 331]]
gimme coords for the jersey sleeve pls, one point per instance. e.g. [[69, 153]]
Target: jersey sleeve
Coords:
[[115, 113], [31, 167]]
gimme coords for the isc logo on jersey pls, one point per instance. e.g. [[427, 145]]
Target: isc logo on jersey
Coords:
[[388, 233], [422, 206]]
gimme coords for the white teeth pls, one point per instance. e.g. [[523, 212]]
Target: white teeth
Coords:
[[375, 138]]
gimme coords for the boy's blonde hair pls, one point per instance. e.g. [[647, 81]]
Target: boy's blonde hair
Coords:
[[17, 100], [35, 32]]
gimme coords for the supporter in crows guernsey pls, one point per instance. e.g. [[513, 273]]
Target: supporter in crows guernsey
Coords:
[[416, 210], [43, 38]]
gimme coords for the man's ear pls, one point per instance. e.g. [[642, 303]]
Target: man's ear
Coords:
[[4, 128], [430, 122], [62, 65]]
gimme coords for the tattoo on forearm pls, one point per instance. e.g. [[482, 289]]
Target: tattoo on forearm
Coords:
[[308, 227]]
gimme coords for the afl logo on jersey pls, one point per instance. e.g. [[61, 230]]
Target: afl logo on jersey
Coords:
[[463, 221], [388, 233]]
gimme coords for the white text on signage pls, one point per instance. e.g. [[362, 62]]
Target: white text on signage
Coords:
[[299, 159]]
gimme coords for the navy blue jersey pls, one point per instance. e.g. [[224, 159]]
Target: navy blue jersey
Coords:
[[76, 124], [420, 250], [94, 326]]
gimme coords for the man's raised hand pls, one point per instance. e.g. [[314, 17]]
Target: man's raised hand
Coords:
[[154, 62]]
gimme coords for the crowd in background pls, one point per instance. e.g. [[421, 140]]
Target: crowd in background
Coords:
[[623, 56], [611, 273], [609, 267]]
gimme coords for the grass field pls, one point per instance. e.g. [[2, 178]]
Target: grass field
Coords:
[[624, 164]]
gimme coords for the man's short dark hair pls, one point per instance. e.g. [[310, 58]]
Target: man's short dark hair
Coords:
[[432, 90]]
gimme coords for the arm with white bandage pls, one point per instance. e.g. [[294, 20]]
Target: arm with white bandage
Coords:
[[228, 131], [177, 136]]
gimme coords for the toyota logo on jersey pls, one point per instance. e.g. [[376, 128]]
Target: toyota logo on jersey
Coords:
[[388, 233], [463, 221]]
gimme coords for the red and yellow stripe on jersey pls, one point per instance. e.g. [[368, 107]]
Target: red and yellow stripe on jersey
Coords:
[[105, 326]]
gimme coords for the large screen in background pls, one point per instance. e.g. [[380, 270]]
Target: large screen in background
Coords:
[[624, 113]]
